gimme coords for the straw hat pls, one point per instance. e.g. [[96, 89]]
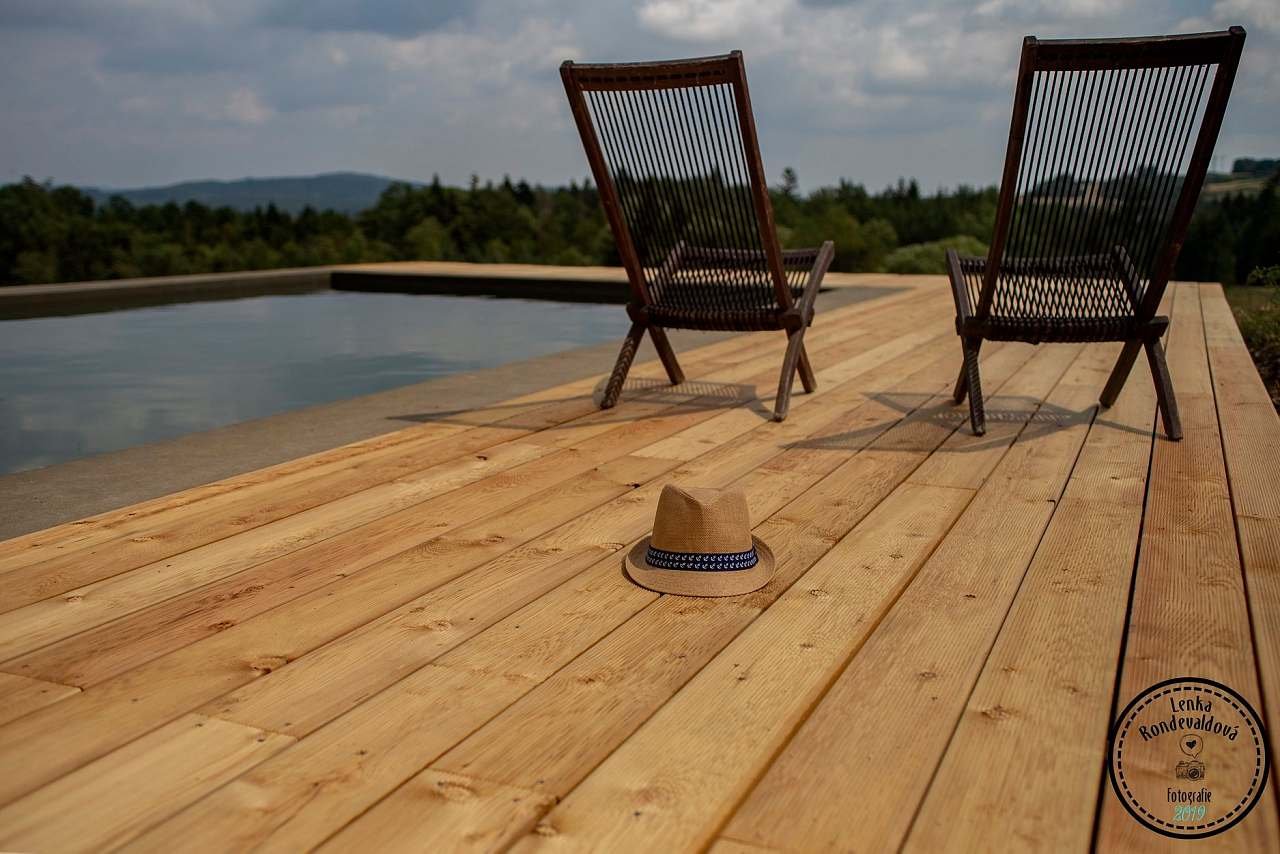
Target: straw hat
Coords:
[[701, 546]]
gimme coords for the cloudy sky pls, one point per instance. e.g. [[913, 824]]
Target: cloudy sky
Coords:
[[122, 93]]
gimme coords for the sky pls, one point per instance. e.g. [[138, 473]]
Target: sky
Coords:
[[128, 93]]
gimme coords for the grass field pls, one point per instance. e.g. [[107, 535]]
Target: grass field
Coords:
[[1257, 311]]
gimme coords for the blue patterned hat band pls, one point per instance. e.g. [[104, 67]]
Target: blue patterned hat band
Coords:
[[701, 561]]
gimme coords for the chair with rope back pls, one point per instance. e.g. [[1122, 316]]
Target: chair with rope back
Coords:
[[673, 150], [1108, 148]]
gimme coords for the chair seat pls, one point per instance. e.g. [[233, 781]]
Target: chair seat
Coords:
[[1057, 300], [673, 317], [1044, 330], [725, 289]]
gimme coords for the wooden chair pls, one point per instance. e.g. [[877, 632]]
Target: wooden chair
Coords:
[[673, 149], [1108, 148]]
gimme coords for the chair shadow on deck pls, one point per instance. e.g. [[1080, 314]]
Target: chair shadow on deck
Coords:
[[687, 396], [697, 394], [1045, 418], [694, 395]]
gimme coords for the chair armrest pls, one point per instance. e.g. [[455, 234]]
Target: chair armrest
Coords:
[[959, 287], [803, 310], [1128, 273]]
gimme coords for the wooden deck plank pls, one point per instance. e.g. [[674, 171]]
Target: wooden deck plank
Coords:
[[205, 514], [1251, 446], [725, 845], [436, 811], [393, 531], [147, 696], [38, 624], [558, 733], [133, 638], [1052, 667], [289, 812], [305, 797], [942, 651], [41, 623], [221, 516], [112, 800], [672, 781], [1189, 616], [731, 718], [445, 686], [543, 408], [86, 659], [20, 695], [907, 685], [176, 682], [39, 546], [291, 700]]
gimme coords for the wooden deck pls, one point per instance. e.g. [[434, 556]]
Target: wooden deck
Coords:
[[424, 641]]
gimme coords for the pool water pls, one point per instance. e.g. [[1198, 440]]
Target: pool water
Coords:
[[81, 385]]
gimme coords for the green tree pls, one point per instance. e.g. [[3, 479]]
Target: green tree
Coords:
[[430, 241]]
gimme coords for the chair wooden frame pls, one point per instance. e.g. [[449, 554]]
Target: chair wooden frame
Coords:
[[980, 285], [782, 284]]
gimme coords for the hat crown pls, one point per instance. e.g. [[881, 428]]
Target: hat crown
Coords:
[[702, 521]]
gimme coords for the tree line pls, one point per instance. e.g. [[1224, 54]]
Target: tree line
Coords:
[[57, 233]]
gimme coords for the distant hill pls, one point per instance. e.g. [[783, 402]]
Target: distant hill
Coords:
[[349, 192]]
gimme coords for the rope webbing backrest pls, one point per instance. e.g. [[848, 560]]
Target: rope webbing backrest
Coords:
[[1109, 147], [679, 170]]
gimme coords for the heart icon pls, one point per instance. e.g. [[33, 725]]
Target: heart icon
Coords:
[[1192, 745]]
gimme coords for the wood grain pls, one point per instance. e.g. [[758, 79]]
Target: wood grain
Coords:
[[20, 695], [368, 514], [438, 811], [290, 701], [1251, 447], [552, 738], [108, 802], [152, 693], [675, 779], [1189, 615], [424, 640], [908, 683], [509, 659]]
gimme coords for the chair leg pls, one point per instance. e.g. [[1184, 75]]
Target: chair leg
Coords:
[[977, 417], [620, 368], [1164, 389], [807, 378], [666, 354], [1120, 372], [795, 346], [962, 385]]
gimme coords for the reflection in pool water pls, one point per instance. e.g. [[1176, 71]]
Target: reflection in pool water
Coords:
[[75, 386]]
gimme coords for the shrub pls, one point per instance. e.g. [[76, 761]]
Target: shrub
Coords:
[[931, 257], [1265, 276], [1258, 314]]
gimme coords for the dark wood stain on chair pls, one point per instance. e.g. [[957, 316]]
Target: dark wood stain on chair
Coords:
[[1102, 172], [673, 149]]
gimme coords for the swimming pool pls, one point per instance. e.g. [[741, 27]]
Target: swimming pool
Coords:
[[81, 385]]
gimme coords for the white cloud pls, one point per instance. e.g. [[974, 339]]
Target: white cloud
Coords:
[[707, 20], [1262, 14], [1050, 9], [244, 106], [128, 92]]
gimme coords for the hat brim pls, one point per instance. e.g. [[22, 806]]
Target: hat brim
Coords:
[[685, 582]]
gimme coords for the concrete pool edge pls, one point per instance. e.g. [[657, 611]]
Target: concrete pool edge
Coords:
[[19, 302], [36, 499], [519, 281]]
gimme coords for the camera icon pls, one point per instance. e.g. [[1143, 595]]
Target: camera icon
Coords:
[[1192, 769]]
